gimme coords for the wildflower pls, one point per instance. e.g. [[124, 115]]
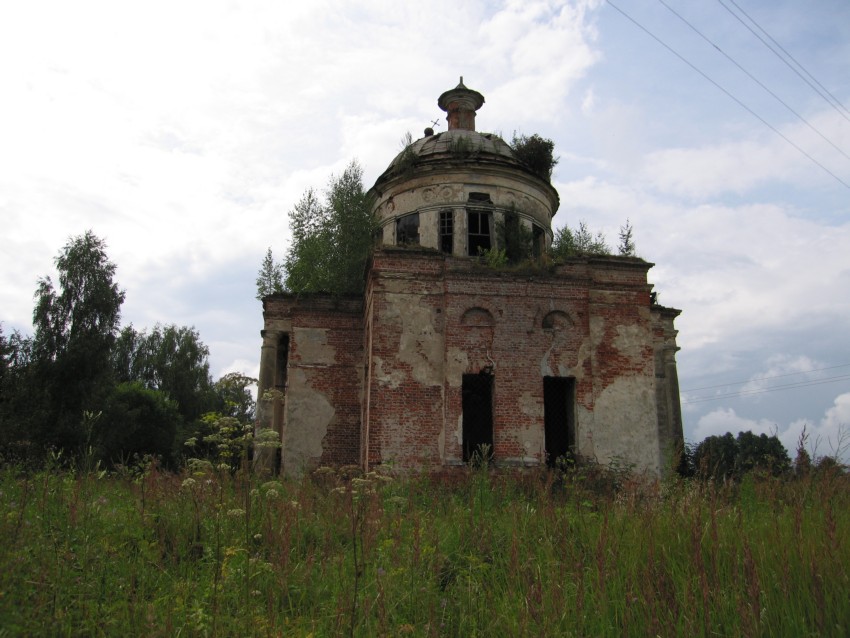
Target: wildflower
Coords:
[[272, 494], [235, 513], [188, 483]]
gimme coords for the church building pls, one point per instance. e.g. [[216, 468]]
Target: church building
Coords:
[[447, 357]]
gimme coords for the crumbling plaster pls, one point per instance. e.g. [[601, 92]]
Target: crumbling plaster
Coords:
[[308, 416]]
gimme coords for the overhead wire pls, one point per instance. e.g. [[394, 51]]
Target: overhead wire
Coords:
[[754, 79], [834, 102], [730, 95], [765, 378], [789, 386]]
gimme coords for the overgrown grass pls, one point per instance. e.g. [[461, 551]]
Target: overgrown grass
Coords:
[[208, 553]]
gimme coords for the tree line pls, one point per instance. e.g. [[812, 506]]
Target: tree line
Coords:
[[729, 458], [83, 386]]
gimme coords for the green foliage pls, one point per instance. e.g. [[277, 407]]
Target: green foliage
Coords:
[[536, 152], [270, 277], [234, 396], [223, 440], [727, 457], [626, 247], [493, 257], [170, 359], [340, 553], [571, 243], [331, 239], [407, 158], [75, 329], [515, 238], [462, 147], [136, 421], [93, 393]]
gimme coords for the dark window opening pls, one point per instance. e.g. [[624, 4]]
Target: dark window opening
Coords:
[[281, 362], [479, 232], [538, 241], [407, 229], [559, 419], [479, 221], [477, 416], [447, 228]]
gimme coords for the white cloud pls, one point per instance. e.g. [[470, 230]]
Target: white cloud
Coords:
[[827, 436], [780, 370], [740, 165], [831, 434]]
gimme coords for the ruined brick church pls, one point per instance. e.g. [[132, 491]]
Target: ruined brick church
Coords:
[[444, 357]]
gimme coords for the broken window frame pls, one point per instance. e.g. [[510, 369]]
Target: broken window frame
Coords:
[[407, 230], [479, 224], [447, 224]]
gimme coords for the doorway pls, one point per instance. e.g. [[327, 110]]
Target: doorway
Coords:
[[559, 418], [477, 415]]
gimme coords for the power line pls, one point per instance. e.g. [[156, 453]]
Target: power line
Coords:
[[772, 376], [834, 102], [739, 102], [789, 386], [754, 79]]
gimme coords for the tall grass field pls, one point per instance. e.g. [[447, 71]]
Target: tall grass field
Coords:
[[211, 553]]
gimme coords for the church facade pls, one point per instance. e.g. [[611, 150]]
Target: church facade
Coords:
[[445, 357]]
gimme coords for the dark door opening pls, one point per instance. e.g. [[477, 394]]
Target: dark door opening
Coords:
[[280, 372], [559, 418], [477, 415]]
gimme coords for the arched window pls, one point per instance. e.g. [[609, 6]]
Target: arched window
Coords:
[[557, 320]]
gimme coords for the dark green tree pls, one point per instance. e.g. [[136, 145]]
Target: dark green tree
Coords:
[[727, 457], [761, 452], [331, 239], [170, 359], [16, 401], [270, 276], [715, 457], [537, 153], [234, 396], [135, 421], [75, 329]]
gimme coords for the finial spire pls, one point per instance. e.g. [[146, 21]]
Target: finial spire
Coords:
[[461, 104]]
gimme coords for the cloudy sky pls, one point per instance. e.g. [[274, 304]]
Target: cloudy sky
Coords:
[[182, 132]]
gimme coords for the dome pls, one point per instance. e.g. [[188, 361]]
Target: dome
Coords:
[[457, 144], [453, 191], [460, 144]]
